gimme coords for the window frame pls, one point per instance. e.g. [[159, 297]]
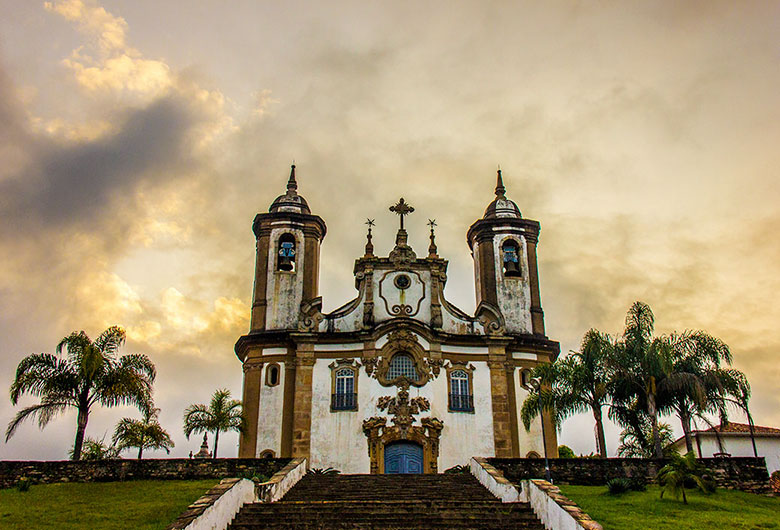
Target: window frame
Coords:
[[337, 367], [267, 379], [468, 370]]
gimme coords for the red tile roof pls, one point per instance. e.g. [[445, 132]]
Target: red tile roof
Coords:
[[731, 427]]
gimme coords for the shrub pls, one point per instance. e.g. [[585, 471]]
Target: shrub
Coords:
[[320, 471], [253, 475], [616, 486], [457, 470], [564, 451], [23, 484]]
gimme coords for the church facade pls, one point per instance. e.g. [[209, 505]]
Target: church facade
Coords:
[[398, 379]]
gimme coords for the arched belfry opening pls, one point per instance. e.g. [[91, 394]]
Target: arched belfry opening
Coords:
[[286, 253]]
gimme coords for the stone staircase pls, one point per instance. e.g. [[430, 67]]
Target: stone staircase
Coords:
[[387, 502]]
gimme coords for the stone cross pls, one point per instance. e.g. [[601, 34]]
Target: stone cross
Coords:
[[402, 208]]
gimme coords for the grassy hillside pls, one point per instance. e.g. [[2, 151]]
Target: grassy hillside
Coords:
[[143, 504], [724, 509]]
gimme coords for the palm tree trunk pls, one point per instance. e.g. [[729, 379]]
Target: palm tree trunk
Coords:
[[140, 451], [216, 441], [752, 431], [685, 420], [659, 453], [601, 443], [81, 428]]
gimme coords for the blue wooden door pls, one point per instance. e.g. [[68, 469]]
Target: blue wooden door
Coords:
[[403, 457]]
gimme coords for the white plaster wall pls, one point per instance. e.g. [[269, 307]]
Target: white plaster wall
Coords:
[[452, 324], [766, 446], [464, 434], [338, 441], [284, 290], [420, 281], [530, 440], [514, 294], [269, 421], [337, 438]]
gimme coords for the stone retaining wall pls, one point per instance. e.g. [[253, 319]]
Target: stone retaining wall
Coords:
[[47, 472], [741, 473]]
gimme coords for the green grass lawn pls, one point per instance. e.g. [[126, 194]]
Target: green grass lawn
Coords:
[[725, 509], [139, 504]]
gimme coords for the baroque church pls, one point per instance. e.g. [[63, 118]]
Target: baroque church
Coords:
[[398, 380]]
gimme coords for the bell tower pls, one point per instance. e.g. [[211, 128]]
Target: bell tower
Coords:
[[287, 269], [503, 245]]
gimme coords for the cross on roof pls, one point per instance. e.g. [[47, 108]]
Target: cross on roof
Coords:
[[402, 208]]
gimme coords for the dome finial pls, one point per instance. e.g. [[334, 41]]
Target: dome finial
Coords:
[[292, 186], [500, 189]]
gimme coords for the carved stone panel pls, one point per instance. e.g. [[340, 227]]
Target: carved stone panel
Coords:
[[402, 293]]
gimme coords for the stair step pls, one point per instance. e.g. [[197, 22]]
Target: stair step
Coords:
[[387, 502]]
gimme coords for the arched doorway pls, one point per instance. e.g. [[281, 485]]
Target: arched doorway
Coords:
[[403, 457]]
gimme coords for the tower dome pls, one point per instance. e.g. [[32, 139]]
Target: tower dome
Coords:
[[290, 201], [501, 206]]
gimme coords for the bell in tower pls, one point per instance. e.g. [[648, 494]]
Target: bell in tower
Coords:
[[288, 260], [503, 245]]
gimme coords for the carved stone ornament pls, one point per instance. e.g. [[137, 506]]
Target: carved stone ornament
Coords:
[[252, 365], [402, 341], [403, 409], [402, 301], [310, 315], [491, 319]]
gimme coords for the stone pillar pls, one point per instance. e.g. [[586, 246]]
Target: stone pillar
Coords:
[[288, 405], [247, 443], [513, 409], [260, 301], [304, 368], [502, 434], [537, 314]]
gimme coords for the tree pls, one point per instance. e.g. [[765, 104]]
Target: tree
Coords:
[[703, 355], [574, 384], [221, 415], [90, 374], [143, 434], [681, 469], [644, 379], [639, 444], [564, 451], [94, 449]]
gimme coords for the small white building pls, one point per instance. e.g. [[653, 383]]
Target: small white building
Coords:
[[735, 440], [397, 379]]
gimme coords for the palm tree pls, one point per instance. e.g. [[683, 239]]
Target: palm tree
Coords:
[[94, 449], [678, 471], [221, 415], [143, 434], [702, 355], [574, 384], [639, 444], [90, 374], [644, 379]]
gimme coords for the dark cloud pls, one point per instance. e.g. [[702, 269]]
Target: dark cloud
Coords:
[[80, 183]]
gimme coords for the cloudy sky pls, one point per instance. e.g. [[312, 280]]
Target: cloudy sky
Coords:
[[139, 138]]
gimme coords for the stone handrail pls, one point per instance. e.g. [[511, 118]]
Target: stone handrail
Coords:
[[555, 511], [217, 508]]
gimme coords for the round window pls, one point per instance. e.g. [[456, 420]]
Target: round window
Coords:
[[402, 281]]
